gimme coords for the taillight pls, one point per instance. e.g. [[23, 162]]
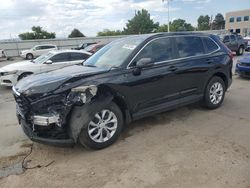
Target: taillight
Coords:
[[230, 53]]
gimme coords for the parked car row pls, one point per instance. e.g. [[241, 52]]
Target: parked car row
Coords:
[[125, 80], [10, 74], [38, 50], [235, 43], [243, 66]]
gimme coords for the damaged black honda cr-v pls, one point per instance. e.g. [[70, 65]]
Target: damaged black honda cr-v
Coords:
[[128, 79]]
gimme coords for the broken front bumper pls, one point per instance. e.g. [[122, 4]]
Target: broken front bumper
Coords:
[[27, 129]]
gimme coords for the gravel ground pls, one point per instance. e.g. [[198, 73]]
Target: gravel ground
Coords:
[[187, 147]]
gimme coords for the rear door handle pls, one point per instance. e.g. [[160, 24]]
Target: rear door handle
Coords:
[[172, 68], [209, 61]]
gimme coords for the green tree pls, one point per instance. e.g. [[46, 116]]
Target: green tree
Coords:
[[75, 33], [203, 23], [180, 25], [107, 32], [141, 23], [219, 22], [163, 28], [37, 33]]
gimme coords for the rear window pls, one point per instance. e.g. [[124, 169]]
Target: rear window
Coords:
[[78, 56], [189, 46], [210, 45]]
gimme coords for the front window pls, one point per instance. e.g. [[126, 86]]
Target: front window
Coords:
[[115, 53], [231, 20], [158, 50], [43, 58], [238, 19]]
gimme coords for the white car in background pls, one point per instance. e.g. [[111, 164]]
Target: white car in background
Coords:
[[11, 74], [37, 51]]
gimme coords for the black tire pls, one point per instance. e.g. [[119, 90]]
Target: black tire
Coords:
[[240, 51], [29, 56], [207, 101], [23, 75], [85, 139]]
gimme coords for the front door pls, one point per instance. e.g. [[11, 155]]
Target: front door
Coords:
[[58, 61], [155, 85]]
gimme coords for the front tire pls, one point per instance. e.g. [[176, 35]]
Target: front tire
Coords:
[[214, 93], [29, 56], [103, 129]]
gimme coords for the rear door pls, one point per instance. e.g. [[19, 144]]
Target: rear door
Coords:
[[227, 42], [233, 43], [192, 66]]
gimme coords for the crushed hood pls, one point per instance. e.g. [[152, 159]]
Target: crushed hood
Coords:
[[46, 82]]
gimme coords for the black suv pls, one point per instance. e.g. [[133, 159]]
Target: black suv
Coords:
[[235, 43], [126, 80]]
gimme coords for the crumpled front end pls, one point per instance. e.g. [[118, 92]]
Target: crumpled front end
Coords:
[[45, 119]]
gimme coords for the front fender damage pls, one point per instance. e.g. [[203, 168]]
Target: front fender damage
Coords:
[[81, 115]]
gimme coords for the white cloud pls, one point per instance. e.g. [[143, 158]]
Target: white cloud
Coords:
[[61, 16]]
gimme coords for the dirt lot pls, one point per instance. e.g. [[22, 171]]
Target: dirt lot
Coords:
[[187, 147]]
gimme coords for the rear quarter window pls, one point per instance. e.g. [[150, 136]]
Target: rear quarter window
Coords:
[[210, 45], [188, 46]]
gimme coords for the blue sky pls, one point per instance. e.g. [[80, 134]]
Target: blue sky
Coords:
[[91, 16]]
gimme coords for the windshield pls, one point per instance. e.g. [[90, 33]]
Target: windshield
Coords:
[[43, 58], [115, 53]]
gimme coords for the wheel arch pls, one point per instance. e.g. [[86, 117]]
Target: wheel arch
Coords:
[[222, 76], [23, 73], [118, 99]]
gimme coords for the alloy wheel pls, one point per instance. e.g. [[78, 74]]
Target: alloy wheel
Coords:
[[216, 93], [103, 126]]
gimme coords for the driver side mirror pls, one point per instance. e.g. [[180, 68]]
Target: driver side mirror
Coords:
[[144, 62], [48, 62]]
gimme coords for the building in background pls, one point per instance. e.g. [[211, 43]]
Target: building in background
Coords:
[[238, 22]]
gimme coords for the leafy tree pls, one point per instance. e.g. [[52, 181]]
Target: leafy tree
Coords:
[[176, 25], [180, 25], [76, 33], [163, 28], [141, 23], [107, 32], [204, 23], [37, 33], [219, 22]]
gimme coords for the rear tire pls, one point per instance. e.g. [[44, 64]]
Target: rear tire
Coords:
[[214, 93], [240, 51], [29, 56], [103, 129]]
